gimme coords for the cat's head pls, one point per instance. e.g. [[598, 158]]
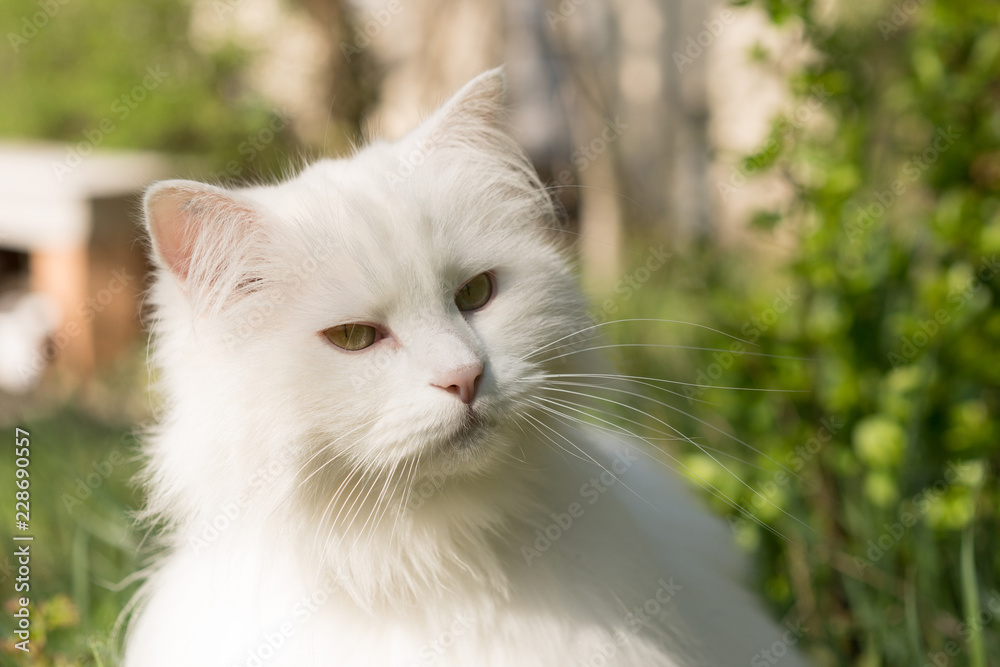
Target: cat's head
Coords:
[[384, 310]]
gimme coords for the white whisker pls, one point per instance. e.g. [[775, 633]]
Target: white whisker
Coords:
[[651, 379], [325, 448], [701, 481], [688, 415], [667, 437], [673, 346], [634, 319], [708, 454], [639, 382]]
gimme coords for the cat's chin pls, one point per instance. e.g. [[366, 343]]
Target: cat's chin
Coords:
[[471, 433], [473, 441]]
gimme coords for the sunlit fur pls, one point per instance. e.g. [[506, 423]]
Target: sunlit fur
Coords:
[[323, 507]]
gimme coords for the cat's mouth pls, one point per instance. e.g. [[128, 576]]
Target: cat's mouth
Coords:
[[471, 433]]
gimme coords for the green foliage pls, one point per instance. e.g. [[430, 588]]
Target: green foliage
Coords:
[[117, 74], [875, 503]]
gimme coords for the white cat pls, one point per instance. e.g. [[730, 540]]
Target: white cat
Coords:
[[357, 466]]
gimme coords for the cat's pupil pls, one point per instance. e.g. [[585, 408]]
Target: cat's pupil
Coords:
[[475, 293], [351, 336]]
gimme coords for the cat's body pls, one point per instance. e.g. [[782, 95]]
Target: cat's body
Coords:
[[405, 499]]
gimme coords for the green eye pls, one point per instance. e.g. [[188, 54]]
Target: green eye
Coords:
[[474, 294], [352, 336]]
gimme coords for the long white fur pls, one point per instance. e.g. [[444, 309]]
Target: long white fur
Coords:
[[315, 507]]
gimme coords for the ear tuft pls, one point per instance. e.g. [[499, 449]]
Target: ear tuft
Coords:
[[474, 111], [480, 100], [183, 215]]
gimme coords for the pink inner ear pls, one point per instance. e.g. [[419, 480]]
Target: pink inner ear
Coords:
[[174, 226], [177, 215]]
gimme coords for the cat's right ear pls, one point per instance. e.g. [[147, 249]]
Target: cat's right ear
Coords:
[[199, 232]]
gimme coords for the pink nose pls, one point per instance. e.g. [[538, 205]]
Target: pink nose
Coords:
[[462, 382]]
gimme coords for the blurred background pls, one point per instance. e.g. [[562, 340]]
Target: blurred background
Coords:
[[819, 179]]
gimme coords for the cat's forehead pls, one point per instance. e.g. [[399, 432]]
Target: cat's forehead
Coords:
[[428, 215], [378, 238]]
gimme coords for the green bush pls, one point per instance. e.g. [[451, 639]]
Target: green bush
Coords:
[[872, 508]]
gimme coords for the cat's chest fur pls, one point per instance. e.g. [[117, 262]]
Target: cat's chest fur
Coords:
[[614, 568], [576, 584]]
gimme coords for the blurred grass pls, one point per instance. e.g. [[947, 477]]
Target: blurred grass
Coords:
[[84, 546]]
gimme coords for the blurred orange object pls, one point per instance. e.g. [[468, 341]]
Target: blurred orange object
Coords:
[[72, 210]]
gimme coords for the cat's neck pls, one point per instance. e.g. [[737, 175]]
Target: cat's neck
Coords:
[[387, 539], [393, 541]]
